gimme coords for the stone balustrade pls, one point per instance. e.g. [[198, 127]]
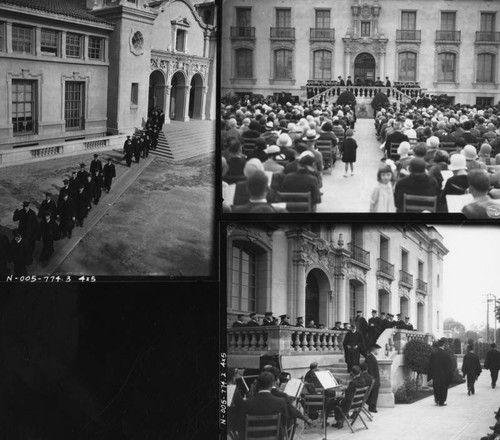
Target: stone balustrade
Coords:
[[402, 337], [276, 340]]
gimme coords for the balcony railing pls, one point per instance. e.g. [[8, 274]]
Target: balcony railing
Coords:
[[487, 37], [242, 32], [406, 278], [283, 33], [453, 36], [408, 35], [322, 34], [422, 286], [359, 254], [385, 268]]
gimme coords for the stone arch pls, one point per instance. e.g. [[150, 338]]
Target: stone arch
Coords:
[[196, 93], [364, 67], [157, 90], [178, 84], [318, 288]]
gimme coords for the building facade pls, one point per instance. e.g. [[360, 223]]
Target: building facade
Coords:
[[326, 272], [81, 69], [444, 47]]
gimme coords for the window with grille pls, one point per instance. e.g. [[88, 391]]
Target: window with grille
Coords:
[[49, 43], [407, 66], [243, 289], [322, 64], [283, 64], [486, 68], [365, 28], [95, 48], [22, 39], [134, 94], [322, 18], [23, 106], [73, 105], [408, 20], [244, 63], [73, 45], [446, 67], [180, 41]]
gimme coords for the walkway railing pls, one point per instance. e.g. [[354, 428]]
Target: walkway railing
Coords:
[[283, 340]]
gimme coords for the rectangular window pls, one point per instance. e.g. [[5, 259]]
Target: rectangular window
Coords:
[[446, 69], [365, 28], [448, 20], [180, 41], [283, 18], [134, 94], [243, 280], [283, 64], [243, 17], [322, 64], [407, 66], [2, 37], [483, 101], [73, 105], [22, 39], [49, 43], [409, 20], [322, 18], [352, 301], [485, 68], [420, 270], [73, 45], [96, 51], [487, 22], [384, 248], [404, 260], [244, 63], [23, 106]]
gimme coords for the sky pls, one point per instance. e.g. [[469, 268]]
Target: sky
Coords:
[[471, 270]]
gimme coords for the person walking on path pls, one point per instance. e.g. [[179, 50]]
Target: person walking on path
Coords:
[[441, 373], [373, 371], [349, 147], [471, 368], [109, 173], [492, 363]]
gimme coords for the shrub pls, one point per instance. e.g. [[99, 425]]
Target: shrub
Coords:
[[346, 98], [417, 355], [457, 346], [406, 392], [380, 101]]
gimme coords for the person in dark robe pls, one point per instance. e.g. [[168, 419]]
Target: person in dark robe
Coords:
[[97, 188], [48, 233], [146, 143], [408, 324], [28, 223], [95, 165], [362, 326], [353, 341], [471, 368], [62, 191], [349, 81], [440, 371], [365, 375], [82, 205], [374, 327], [109, 173], [20, 253], [387, 82], [254, 320], [137, 149], [67, 215], [284, 320], [492, 363], [300, 322], [341, 81], [82, 175], [400, 323], [337, 326], [373, 370], [73, 185], [239, 322], [128, 149], [47, 205], [268, 319]]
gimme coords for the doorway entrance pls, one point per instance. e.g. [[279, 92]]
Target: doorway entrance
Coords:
[[364, 69], [177, 95], [195, 97]]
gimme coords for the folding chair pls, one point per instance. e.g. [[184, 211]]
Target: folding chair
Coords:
[[296, 201], [413, 203], [393, 151], [262, 427], [367, 412], [358, 401], [325, 147], [315, 402]]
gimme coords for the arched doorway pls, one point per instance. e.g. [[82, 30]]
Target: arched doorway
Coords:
[[195, 97], [383, 301], [177, 95], [364, 69], [317, 288], [156, 97]]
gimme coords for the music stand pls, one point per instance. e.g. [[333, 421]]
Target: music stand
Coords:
[[328, 382]]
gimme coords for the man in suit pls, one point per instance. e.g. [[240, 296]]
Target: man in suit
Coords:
[[338, 326], [397, 136], [353, 341], [300, 322], [384, 322], [95, 165], [109, 172], [346, 327], [28, 223], [20, 253], [349, 81], [48, 205], [408, 324], [400, 323], [67, 215], [284, 320], [374, 324], [239, 322], [344, 403], [440, 371], [82, 175], [471, 368], [62, 191], [373, 370], [48, 233], [73, 185], [264, 404], [387, 82], [341, 81], [311, 324], [268, 319], [492, 363], [483, 205], [254, 320], [128, 149], [364, 374]]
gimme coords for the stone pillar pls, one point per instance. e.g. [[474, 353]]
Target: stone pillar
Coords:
[[347, 64], [185, 116], [300, 305], [386, 396], [341, 295], [204, 91], [166, 103], [382, 71]]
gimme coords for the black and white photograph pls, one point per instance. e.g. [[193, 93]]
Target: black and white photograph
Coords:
[[107, 138], [360, 106], [387, 331]]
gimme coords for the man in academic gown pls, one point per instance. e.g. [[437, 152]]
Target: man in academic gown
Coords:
[[28, 223], [374, 326], [239, 322], [440, 371], [20, 253], [47, 205], [109, 173], [352, 344], [268, 319], [373, 370]]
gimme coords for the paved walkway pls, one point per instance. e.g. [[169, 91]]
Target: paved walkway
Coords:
[[464, 418], [352, 194]]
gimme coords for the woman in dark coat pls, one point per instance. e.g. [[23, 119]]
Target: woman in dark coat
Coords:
[[349, 147], [471, 368]]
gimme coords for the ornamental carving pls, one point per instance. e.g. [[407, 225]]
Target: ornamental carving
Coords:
[[190, 65], [356, 272], [404, 292], [316, 251], [383, 284]]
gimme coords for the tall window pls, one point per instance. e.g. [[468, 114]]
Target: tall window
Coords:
[[486, 68], [283, 64], [322, 64], [448, 20], [2, 37], [96, 51], [180, 41], [352, 301], [49, 44], [322, 18], [404, 260], [73, 105], [384, 248], [407, 66], [420, 270], [409, 20], [243, 291], [244, 63], [365, 28], [22, 39], [487, 22], [23, 106], [73, 45], [134, 94], [446, 67], [283, 18], [243, 17]]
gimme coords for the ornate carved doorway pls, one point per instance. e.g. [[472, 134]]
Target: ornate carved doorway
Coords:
[[364, 69]]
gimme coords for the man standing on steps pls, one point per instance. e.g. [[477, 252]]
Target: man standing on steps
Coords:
[[492, 363], [373, 371], [352, 343], [440, 372], [109, 172], [374, 324]]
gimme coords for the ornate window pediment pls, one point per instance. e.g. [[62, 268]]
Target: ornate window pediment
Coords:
[[181, 21]]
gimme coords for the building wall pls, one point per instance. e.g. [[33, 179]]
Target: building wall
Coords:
[[464, 89]]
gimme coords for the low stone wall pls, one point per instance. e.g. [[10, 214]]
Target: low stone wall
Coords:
[[21, 156]]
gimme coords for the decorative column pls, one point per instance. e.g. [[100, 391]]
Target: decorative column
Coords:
[[204, 91], [347, 63], [187, 90], [166, 104], [300, 305], [381, 67]]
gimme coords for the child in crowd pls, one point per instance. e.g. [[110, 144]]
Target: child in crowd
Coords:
[[349, 147], [383, 196]]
